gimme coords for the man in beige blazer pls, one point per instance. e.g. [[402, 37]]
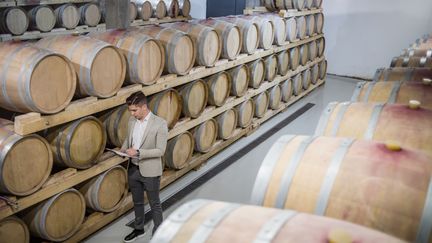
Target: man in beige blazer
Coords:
[[145, 143]]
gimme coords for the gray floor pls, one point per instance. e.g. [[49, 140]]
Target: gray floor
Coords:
[[235, 183]]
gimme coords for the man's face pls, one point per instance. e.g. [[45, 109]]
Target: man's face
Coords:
[[137, 111]]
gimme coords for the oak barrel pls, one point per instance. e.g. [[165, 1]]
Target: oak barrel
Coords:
[[185, 7], [261, 104], [249, 31], [291, 29], [323, 69], [408, 126], [368, 183], [194, 96], [90, 14], [42, 18], [274, 5], [25, 161], [297, 82], [34, 79], [279, 26], [275, 97], [396, 92], [207, 41], [265, 29], [168, 105], [304, 54], [240, 77], [219, 222], [271, 65], [294, 57], [159, 8], [245, 112], [116, 125], [144, 55], [411, 62], [301, 27], [145, 9], [67, 16], [227, 123], [100, 67], [402, 74], [106, 192], [172, 8], [414, 52], [13, 229], [78, 144], [257, 73], [14, 20], [308, 4], [299, 4], [313, 50], [319, 23], [283, 62], [314, 74], [317, 3], [205, 135], [230, 35], [179, 47], [57, 218], [219, 87], [179, 150], [133, 11], [307, 80], [310, 25], [321, 46], [286, 90]]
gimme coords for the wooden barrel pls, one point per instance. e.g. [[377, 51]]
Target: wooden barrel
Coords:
[[133, 11], [230, 35], [25, 161], [323, 69], [78, 144], [261, 104], [314, 73], [257, 73], [313, 50], [219, 87], [249, 31], [368, 183], [185, 7], [275, 97], [414, 52], [179, 47], [240, 77], [304, 54], [310, 25], [205, 135], [106, 192], [57, 218], [145, 9], [279, 26], [13, 229], [317, 3], [278, 4], [220, 222], [194, 96], [283, 63], [100, 67], [286, 90], [402, 74], [321, 46], [291, 29], [42, 18], [90, 14], [319, 23], [227, 123], [411, 62], [309, 4], [265, 28], [307, 80], [245, 113], [271, 65], [408, 126], [168, 105], [172, 8], [396, 92], [297, 84], [207, 41], [14, 20], [294, 57], [145, 56], [67, 16], [34, 79], [301, 27], [116, 125], [159, 8], [299, 4], [179, 151]]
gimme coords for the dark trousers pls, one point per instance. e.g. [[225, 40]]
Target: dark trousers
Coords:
[[137, 185]]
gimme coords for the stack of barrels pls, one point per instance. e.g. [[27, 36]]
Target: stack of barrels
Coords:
[[58, 69], [419, 54], [292, 4]]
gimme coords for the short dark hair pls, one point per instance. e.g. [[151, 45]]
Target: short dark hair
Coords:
[[137, 98]]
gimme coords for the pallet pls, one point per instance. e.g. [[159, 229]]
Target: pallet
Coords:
[[140, 22], [282, 13], [34, 122]]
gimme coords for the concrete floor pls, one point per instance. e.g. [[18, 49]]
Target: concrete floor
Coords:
[[228, 185]]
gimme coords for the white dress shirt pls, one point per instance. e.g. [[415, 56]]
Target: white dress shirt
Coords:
[[138, 133]]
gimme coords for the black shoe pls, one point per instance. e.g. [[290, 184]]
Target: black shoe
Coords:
[[133, 236]]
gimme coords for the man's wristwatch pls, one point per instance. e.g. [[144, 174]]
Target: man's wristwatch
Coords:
[[138, 153]]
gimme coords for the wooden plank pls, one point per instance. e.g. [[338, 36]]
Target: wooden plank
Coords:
[[5, 4], [55, 188], [140, 22]]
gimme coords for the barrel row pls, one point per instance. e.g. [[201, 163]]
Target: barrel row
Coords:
[[273, 5], [418, 54], [18, 20]]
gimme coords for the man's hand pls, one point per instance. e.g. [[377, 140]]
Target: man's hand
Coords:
[[131, 152]]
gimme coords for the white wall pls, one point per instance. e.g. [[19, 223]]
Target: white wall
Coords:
[[198, 9], [362, 35]]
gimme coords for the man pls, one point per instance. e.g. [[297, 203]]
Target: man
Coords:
[[145, 143]]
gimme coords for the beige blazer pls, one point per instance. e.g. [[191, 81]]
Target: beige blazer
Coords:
[[152, 146]]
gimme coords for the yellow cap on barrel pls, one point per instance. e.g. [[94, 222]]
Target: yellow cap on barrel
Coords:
[[393, 146], [427, 81], [339, 236], [414, 104]]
